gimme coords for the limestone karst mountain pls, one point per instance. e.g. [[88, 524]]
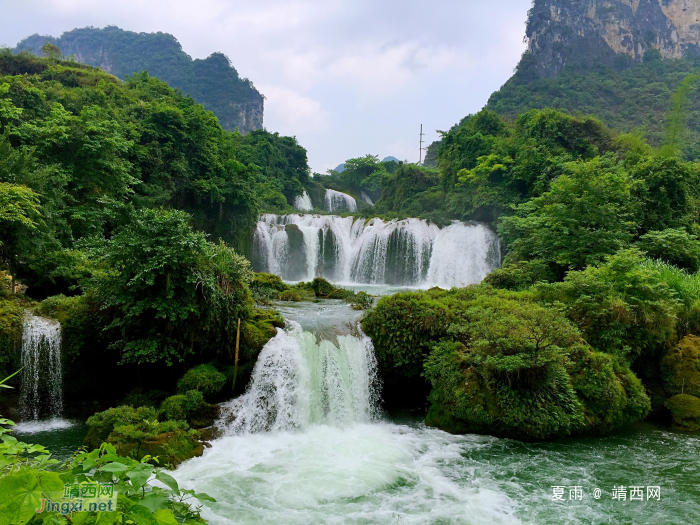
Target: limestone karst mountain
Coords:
[[213, 81]]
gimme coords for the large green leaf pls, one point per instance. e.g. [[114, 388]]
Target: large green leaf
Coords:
[[165, 517], [139, 476], [114, 467], [168, 480], [21, 494]]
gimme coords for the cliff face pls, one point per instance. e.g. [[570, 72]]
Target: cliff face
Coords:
[[586, 33], [213, 82]]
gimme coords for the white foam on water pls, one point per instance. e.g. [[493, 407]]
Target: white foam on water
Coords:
[[46, 425], [367, 473]]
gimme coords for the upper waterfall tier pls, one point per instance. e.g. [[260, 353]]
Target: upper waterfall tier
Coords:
[[410, 252]]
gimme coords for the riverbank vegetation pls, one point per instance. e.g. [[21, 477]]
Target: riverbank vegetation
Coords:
[[597, 294], [125, 213]]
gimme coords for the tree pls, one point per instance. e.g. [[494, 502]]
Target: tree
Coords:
[[587, 214], [168, 291]]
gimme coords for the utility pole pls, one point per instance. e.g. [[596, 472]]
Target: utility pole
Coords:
[[420, 148]]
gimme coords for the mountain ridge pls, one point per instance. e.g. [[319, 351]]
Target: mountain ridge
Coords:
[[213, 81]]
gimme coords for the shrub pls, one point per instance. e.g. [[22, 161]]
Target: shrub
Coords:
[[204, 378], [266, 286], [674, 246], [622, 307], [501, 363], [182, 406], [101, 424]]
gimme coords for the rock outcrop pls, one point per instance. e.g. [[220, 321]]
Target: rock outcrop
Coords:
[[587, 33], [213, 82]]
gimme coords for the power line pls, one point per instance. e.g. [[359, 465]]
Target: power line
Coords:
[[420, 148]]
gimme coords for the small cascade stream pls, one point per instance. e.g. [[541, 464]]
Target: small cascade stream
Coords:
[[41, 391], [299, 381], [410, 252]]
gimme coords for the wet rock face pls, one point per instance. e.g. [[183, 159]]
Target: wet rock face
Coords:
[[587, 33]]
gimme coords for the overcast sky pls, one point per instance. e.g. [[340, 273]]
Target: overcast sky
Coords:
[[346, 77]]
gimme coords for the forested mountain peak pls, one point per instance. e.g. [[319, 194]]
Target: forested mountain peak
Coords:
[[213, 81]]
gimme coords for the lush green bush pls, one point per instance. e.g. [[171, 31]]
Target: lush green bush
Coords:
[[182, 407], [587, 214], [621, 307], [204, 378], [266, 286], [176, 293], [674, 246], [102, 424], [502, 363]]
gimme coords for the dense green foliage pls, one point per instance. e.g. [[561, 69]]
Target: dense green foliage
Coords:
[[204, 378], [122, 202], [637, 97], [28, 473], [81, 150], [213, 81], [598, 283], [503, 363]]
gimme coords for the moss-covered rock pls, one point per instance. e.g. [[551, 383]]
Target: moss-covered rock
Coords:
[[680, 367], [189, 407], [102, 424], [685, 410], [172, 448], [266, 286], [204, 378], [11, 318], [501, 363], [137, 432]]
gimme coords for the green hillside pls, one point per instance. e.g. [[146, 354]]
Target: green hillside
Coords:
[[638, 97], [213, 82]]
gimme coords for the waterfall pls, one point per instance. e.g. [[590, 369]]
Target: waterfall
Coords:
[[336, 201], [41, 391], [366, 198], [298, 381], [303, 202], [411, 252]]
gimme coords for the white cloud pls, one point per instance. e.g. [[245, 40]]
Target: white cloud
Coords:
[[347, 77], [291, 113]]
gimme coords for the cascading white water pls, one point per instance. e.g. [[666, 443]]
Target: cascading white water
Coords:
[[298, 381], [303, 202], [366, 198], [411, 252], [336, 201], [42, 388]]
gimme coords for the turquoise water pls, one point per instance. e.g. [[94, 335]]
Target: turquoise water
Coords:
[[403, 472], [61, 436]]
